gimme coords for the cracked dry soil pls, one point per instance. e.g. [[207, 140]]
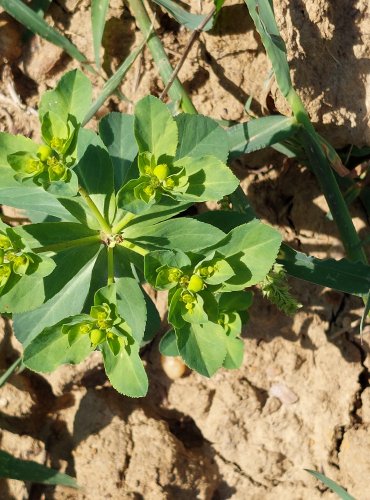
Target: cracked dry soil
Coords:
[[302, 397]]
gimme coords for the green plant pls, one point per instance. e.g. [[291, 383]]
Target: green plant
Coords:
[[27, 470], [336, 488], [103, 207]]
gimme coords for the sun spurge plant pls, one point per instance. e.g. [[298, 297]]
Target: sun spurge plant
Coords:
[[108, 213]]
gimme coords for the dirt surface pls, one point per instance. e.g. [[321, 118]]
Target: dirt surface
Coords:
[[302, 397]]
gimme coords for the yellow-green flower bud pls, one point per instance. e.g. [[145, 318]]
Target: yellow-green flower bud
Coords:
[[149, 190], [44, 152], [174, 275], [5, 272], [84, 328], [195, 284], [20, 264], [161, 171], [97, 336], [5, 242], [33, 166], [188, 298], [169, 183], [206, 271], [57, 144]]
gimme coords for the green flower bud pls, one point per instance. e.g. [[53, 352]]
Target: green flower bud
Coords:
[[149, 190], [84, 328], [5, 242], [188, 298], [5, 272], [174, 275], [206, 271], [57, 171], [195, 284], [57, 144], [20, 264], [10, 256], [33, 167], [161, 171], [44, 152], [169, 183], [97, 336]]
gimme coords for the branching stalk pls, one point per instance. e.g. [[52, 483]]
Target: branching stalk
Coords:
[[65, 245], [110, 255], [176, 91], [95, 211], [117, 228]]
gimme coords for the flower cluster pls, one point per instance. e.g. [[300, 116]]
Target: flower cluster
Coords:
[[14, 261]]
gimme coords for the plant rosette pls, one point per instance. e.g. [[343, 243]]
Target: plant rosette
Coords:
[[74, 283]]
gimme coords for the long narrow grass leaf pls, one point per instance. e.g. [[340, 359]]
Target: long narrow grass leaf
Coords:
[[342, 275], [31, 20], [259, 133], [262, 14], [27, 470], [341, 492], [113, 82], [9, 372], [99, 10], [187, 19]]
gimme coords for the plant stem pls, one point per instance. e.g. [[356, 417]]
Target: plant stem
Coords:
[[135, 248], [194, 36], [64, 245], [95, 211], [164, 66], [123, 222], [110, 265]]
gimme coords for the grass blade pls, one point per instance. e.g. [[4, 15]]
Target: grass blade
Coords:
[[113, 82], [259, 133], [182, 16], [342, 275], [9, 372], [27, 470], [341, 492], [99, 10], [31, 20], [40, 6]]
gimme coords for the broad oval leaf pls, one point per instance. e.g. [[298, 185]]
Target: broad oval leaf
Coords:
[[131, 306], [155, 129], [126, 371], [202, 347], [201, 136]]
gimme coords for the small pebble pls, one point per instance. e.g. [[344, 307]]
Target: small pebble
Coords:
[[173, 366]]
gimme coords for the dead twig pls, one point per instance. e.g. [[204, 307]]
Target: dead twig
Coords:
[[194, 36]]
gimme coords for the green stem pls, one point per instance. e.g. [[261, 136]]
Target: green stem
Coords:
[[135, 248], [95, 211], [110, 255], [64, 245], [117, 228], [176, 91]]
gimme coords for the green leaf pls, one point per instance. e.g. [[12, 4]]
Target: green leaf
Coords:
[[27, 470], [30, 197], [163, 210], [209, 179], [10, 144], [126, 371], [71, 97], [342, 275], [259, 134], [131, 306], [153, 322], [188, 235], [254, 245], [168, 344], [155, 129], [51, 348], [234, 353], [95, 171], [341, 492], [117, 132], [66, 292], [235, 301], [365, 313], [262, 14], [52, 233], [190, 21], [99, 9], [201, 136], [113, 82], [26, 16], [203, 347]]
